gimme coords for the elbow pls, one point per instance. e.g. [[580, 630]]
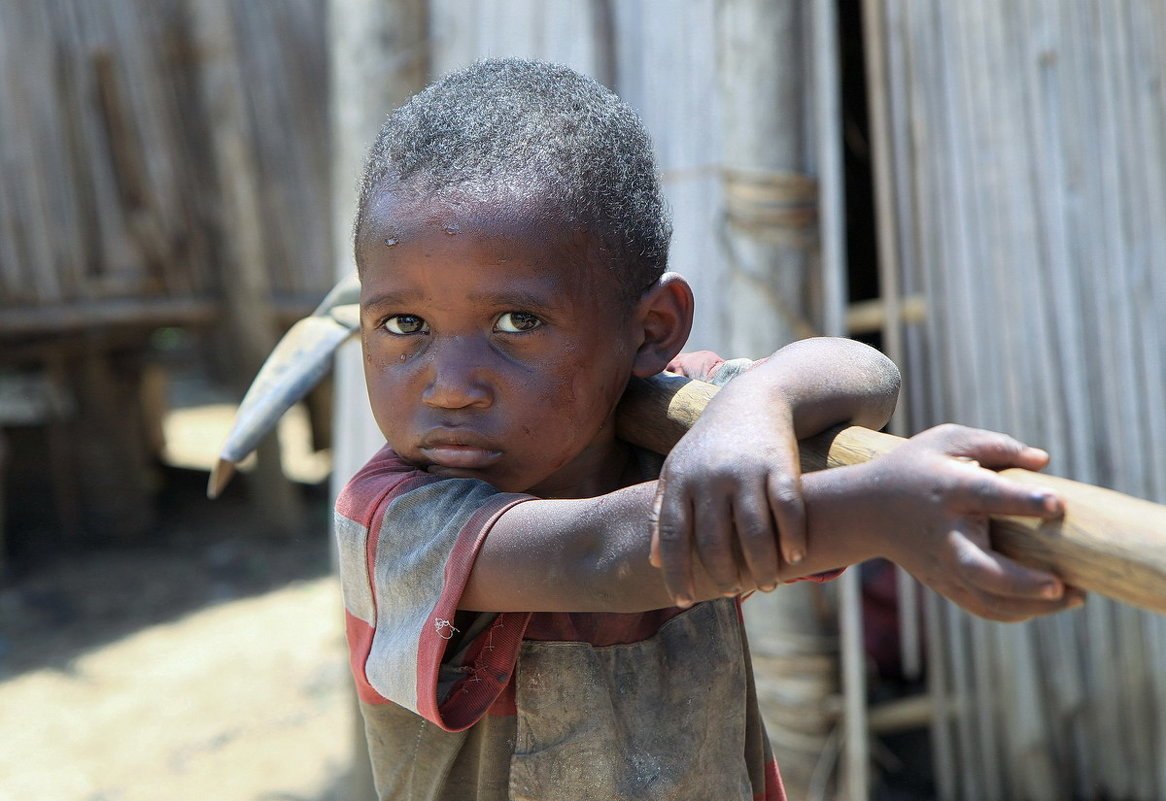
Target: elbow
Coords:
[[885, 384], [854, 383]]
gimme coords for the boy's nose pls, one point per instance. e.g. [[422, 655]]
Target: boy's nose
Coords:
[[457, 375]]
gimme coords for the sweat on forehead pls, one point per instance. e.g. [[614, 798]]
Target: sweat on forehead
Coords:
[[543, 237], [394, 213], [511, 130]]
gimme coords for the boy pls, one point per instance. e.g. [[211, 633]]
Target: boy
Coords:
[[531, 613]]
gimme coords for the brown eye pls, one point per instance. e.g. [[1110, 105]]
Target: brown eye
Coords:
[[406, 324], [516, 322]]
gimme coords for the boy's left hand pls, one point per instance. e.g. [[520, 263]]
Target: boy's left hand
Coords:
[[730, 492]]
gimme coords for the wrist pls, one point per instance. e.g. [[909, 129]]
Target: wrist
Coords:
[[845, 521]]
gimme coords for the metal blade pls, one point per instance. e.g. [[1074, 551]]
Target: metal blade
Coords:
[[299, 361]]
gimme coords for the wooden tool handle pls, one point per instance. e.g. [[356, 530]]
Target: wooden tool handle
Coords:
[[1107, 542]]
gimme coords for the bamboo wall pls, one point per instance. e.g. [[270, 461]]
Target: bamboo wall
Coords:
[[1028, 147], [108, 198]]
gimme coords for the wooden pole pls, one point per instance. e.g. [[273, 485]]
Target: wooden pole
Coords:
[[770, 240], [246, 289], [379, 55], [1107, 542], [855, 774]]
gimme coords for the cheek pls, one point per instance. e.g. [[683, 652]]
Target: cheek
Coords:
[[553, 409], [385, 387], [585, 397], [590, 396]]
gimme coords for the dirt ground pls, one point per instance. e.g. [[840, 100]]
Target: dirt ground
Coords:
[[206, 664]]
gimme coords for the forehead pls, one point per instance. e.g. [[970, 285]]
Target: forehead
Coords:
[[509, 235]]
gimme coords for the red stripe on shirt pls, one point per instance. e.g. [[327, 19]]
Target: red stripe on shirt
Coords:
[[774, 789], [497, 649], [360, 636]]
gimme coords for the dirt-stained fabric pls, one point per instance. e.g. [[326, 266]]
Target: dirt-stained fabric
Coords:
[[653, 720], [491, 707], [659, 719]]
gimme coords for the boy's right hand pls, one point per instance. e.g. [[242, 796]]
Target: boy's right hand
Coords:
[[928, 504], [728, 500]]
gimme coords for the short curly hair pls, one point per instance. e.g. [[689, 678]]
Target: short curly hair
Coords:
[[519, 130]]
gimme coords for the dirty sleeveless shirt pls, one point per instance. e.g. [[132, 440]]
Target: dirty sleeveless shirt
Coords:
[[549, 706]]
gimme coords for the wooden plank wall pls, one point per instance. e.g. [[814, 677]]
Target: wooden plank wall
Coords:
[[1029, 164], [95, 154], [107, 190]]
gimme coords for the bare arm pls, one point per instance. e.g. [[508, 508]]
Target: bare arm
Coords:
[[733, 485], [918, 506], [728, 488], [827, 381]]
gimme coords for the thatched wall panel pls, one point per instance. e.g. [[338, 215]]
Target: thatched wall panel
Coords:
[[107, 185], [1030, 179]]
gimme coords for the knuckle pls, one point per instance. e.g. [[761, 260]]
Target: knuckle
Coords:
[[785, 491], [751, 521], [756, 532], [949, 431], [970, 568], [669, 533], [984, 493], [939, 491], [713, 553], [967, 567]]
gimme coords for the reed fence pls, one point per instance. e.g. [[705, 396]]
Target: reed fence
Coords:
[[109, 207], [1028, 164]]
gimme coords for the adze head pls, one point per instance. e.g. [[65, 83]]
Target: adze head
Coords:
[[298, 362]]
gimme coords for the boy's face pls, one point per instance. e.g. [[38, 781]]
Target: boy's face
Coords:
[[494, 348]]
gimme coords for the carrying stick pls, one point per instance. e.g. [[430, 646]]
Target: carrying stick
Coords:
[[1106, 542]]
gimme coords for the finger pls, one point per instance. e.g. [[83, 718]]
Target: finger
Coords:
[[789, 512], [992, 449], [1018, 610], [983, 492], [1006, 609], [672, 543], [758, 538], [714, 541], [994, 575]]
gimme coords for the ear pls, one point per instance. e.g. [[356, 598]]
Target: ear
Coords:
[[665, 313]]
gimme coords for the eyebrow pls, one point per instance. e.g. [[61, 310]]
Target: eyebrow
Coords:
[[391, 299], [518, 298], [509, 299]]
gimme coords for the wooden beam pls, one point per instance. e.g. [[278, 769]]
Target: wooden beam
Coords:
[[869, 316], [249, 317], [62, 318]]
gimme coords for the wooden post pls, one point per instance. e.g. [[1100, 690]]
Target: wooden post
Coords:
[[379, 55], [771, 203], [246, 290], [770, 236], [855, 773], [107, 454]]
